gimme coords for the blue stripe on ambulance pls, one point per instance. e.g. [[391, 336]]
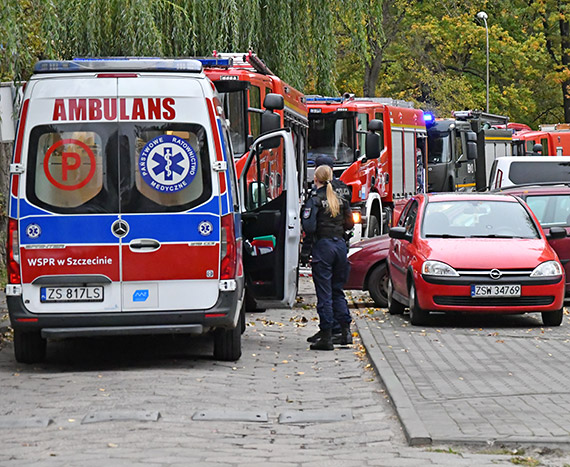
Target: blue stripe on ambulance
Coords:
[[178, 228]]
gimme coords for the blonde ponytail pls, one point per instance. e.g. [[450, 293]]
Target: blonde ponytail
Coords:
[[324, 175]]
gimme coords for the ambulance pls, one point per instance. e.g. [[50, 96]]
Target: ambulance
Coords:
[[126, 216]]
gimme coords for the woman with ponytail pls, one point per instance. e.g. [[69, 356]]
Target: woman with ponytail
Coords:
[[327, 217]]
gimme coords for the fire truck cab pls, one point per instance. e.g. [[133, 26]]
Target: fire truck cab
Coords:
[[378, 147], [244, 83], [554, 139]]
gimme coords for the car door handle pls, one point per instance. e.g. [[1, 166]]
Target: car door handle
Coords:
[[144, 244]]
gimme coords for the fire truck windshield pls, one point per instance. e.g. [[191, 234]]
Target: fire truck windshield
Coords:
[[234, 108], [332, 135], [438, 147]]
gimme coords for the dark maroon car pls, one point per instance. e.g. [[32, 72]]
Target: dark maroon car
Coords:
[[550, 203], [368, 268]]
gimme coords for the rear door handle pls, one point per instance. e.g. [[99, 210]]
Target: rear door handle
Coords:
[[144, 244]]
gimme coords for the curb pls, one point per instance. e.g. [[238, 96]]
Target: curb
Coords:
[[414, 429]]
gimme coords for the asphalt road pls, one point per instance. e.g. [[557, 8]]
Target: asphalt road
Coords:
[[164, 401]]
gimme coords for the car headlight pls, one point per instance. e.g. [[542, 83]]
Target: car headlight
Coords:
[[548, 268], [351, 251], [437, 268]]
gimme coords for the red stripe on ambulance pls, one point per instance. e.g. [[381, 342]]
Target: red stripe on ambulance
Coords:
[[84, 259], [172, 262]]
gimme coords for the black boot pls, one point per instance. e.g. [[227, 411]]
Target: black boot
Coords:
[[345, 336], [315, 337], [324, 342]]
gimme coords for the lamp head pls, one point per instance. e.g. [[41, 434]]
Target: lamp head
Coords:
[[482, 15]]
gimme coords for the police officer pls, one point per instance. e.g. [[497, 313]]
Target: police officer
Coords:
[[342, 190], [326, 216]]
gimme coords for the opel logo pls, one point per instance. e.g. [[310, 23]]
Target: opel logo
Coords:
[[120, 228], [496, 274]]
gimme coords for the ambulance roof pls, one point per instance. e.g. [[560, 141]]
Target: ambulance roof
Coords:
[[116, 64]]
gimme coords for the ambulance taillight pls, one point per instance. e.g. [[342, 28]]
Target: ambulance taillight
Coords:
[[13, 249], [228, 248]]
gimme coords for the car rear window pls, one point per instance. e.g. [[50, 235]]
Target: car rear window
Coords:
[[110, 168], [551, 210], [478, 218], [538, 171]]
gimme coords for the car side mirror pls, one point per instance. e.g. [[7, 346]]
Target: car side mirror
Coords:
[[557, 232], [399, 233]]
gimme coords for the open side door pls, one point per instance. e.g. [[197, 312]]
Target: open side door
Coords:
[[270, 220]]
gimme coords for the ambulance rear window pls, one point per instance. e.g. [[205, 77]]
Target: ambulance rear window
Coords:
[[110, 168]]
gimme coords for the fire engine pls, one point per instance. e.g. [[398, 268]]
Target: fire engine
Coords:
[[244, 82], [378, 146], [462, 149], [554, 138]]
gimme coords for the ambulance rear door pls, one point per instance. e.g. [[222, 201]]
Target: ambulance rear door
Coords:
[[67, 196], [271, 226], [170, 209]]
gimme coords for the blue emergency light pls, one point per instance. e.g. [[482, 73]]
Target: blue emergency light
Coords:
[[324, 99], [115, 64], [214, 61], [429, 118]]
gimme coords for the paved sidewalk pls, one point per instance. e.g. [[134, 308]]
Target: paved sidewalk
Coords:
[[490, 381], [165, 402]]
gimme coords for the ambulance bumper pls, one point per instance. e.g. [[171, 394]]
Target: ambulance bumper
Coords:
[[222, 315]]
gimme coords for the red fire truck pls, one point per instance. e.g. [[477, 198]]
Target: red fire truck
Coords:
[[378, 147], [244, 82], [554, 138]]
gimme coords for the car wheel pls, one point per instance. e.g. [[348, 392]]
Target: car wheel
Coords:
[[29, 346], [394, 306], [418, 316], [374, 227], [227, 342], [378, 285], [552, 318]]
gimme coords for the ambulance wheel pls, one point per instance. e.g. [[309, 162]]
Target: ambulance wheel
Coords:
[[29, 346], [250, 305], [227, 342]]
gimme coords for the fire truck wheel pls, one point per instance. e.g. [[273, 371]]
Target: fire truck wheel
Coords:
[[29, 347], [227, 342], [374, 227], [378, 285]]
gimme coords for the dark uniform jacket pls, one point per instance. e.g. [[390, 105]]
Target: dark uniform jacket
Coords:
[[317, 221]]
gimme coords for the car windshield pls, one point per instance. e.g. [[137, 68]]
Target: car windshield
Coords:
[[477, 218], [551, 210]]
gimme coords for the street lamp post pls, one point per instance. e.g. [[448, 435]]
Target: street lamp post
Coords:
[[482, 15]]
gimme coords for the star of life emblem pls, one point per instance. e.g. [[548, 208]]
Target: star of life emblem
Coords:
[[168, 163], [33, 231], [205, 228]]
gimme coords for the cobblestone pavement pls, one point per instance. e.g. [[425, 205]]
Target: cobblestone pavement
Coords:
[[486, 380], [165, 401]]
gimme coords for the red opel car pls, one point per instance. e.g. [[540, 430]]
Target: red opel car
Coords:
[[368, 268], [550, 203], [472, 253]]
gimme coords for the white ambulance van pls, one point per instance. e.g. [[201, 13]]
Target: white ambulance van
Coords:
[[522, 170], [125, 214]]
